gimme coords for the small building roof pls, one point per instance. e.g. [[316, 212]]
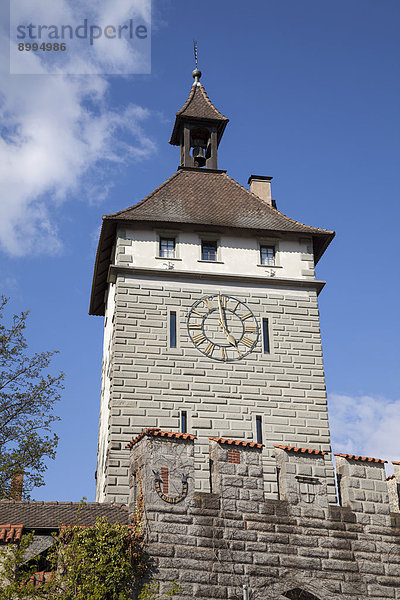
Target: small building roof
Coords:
[[198, 197], [52, 515]]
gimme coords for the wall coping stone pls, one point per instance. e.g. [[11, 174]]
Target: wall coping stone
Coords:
[[157, 432], [300, 450], [361, 458]]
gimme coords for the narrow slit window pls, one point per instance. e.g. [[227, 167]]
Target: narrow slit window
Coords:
[[267, 255], [209, 251], [259, 429], [167, 248], [172, 329], [184, 421], [265, 333]]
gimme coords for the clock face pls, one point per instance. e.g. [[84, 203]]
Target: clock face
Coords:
[[222, 327]]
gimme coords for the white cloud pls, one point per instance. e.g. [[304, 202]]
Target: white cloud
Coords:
[[54, 130], [365, 426]]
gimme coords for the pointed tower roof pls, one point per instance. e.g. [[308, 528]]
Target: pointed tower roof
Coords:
[[198, 108]]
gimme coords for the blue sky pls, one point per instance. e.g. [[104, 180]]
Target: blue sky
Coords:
[[312, 92]]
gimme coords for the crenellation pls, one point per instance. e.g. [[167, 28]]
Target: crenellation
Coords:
[[237, 530]]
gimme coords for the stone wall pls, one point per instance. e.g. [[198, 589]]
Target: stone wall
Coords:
[[301, 548], [150, 383]]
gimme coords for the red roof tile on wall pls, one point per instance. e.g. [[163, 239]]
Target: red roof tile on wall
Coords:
[[156, 432], [10, 533], [41, 577], [361, 458], [242, 443], [300, 450]]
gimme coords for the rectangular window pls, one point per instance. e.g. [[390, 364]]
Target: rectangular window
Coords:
[[184, 421], [209, 250], [265, 334], [172, 329], [167, 248], [267, 255], [259, 429]]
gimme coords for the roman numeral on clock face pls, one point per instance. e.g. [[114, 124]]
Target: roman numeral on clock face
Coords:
[[197, 313], [199, 338], [224, 355], [207, 303], [222, 299], [250, 328], [195, 326], [247, 341], [246, 316], [209, 349]]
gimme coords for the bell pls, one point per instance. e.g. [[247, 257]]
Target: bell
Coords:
[[199, 156]]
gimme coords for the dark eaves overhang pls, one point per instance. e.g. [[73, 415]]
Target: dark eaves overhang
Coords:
[[176, 134], [107, 240]]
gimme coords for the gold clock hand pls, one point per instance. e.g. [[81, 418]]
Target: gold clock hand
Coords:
[[233, 342], [222, 316]]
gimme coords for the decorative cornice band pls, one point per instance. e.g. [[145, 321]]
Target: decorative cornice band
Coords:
[[115, 270]]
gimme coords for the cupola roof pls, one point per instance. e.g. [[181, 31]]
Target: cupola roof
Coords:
[[198, 108]]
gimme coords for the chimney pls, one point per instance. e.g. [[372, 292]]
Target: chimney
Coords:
[[17, 482], [260, 185]]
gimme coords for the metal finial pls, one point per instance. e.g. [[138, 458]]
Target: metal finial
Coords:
[[196, 73]]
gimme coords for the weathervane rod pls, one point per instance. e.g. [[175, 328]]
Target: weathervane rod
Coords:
[[196, 73]]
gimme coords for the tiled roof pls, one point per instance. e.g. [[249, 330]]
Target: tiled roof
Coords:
[[300, 450], [242, 443], [10, 533], [395, 462], [156, 432], [203, 198], [361, 458], [198, 106], [52, 515]]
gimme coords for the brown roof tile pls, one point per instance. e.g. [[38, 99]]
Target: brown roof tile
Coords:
[[243, 443], [361, 458], [395, 462], [10, 533], [198, 107], [51, 515], [201, 197], [156, 432], [300, 450]]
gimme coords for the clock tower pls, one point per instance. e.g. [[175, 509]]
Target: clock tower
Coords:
[[211, 323]]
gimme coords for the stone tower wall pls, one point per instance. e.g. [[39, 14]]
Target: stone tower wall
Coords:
[[150, 383]]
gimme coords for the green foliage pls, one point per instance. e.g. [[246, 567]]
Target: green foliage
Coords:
[[103, 562], [14, 577], [150, 591], [27, 397]]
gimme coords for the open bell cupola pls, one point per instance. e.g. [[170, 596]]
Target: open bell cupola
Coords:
[[198, 128]]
